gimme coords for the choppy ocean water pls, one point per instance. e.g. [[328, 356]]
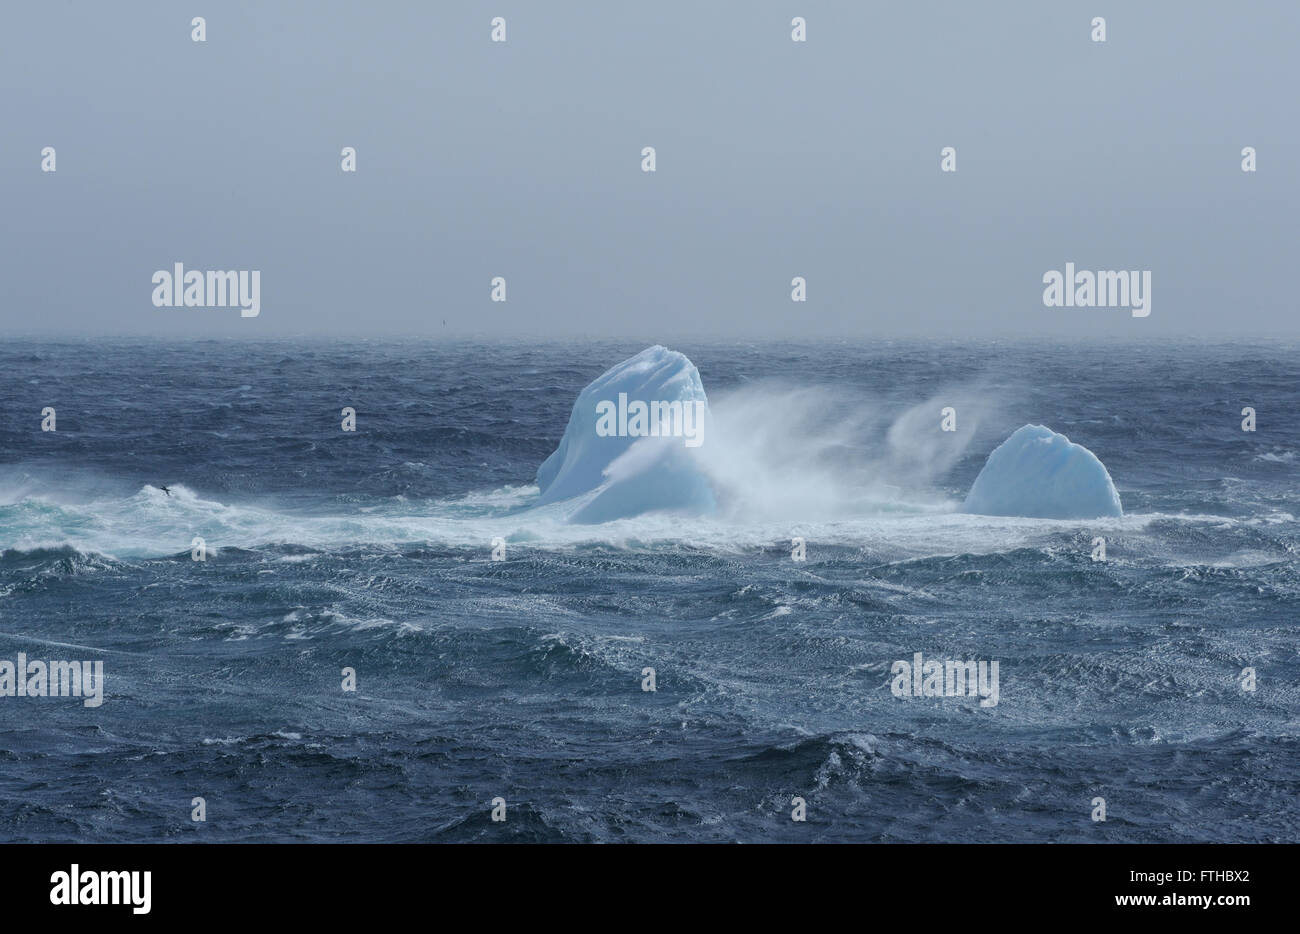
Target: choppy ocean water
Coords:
[[522, 678]]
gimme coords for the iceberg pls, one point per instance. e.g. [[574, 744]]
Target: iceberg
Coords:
[[631, 445], [1044, 475]]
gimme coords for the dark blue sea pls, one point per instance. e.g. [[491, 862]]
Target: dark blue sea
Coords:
[[521, 679]]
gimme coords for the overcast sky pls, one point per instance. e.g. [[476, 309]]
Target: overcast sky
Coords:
[[775, 159]]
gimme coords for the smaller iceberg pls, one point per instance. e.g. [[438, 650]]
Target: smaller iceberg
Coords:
[[1040, 474], [631, 445]]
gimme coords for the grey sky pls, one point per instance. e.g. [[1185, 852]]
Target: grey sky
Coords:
[[775, 159]]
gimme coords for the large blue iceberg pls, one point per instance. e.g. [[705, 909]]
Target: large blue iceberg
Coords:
[[1041, 474], [632, 443]]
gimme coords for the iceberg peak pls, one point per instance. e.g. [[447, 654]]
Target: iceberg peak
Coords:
[[1041, 474], [629, 446]]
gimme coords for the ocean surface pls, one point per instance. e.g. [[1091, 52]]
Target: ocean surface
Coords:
[[522, 678]]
